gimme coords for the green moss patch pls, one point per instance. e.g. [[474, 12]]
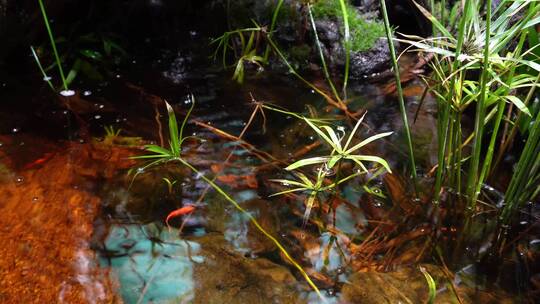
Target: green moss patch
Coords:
[[364, 33]]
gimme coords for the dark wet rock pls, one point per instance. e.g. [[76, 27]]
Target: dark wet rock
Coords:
[[226, 276], [362, 63], [372, 61]]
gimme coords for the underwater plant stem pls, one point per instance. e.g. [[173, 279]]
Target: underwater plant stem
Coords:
[[346, 44], [321, 55], [256, 224], [53, 44], [473, 178], [399, 90], [272, 27]]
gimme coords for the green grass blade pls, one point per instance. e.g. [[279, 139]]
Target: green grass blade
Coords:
[[173, 131], [307, 162], [272, 27], [399, 90], [375, 159], [53, 44], [432, 286], [45, 77], [354, 131], [321, 55], [346, 44], [367, 141]]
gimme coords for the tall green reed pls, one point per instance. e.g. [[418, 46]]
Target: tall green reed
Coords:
[[275, 15], [402, 108], [53, 45], [482, 62], [346, 45], [473, 182], [478, 49]]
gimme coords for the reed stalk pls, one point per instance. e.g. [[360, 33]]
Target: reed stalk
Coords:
[[272, 27], [446, 109], [399, 90], [53, 44], [346, 45], [321, 55], [525, 175], [472, 177]]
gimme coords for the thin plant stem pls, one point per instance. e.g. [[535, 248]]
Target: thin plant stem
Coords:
[[321, 55], [45, 76], [346, 44], [472, 178], [256, 224], [399, 90], [446, 105], [53, 44], [272, 27]]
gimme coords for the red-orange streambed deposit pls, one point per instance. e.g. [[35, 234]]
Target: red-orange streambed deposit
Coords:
[[46, 222]]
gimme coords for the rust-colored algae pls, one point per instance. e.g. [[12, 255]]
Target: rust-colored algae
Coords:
[[46, 217]]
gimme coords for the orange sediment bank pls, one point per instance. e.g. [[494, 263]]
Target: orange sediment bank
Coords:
[[46, 222]]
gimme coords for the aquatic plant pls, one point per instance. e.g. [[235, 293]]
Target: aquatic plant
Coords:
[[524, 185], [355, 29], [176, 139], [275, 15], [159, 155], [483, 61], [224, 45], [477, 48], [55, 51], [170, 184], [91, 55], [46, 77], [432, 286], [248, 51], [331, 163], [87, 54], [402, 109], [321, 56]]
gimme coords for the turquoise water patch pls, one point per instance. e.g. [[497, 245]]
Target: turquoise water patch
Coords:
[[151, 266]]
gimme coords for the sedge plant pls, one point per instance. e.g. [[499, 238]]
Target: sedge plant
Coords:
[[478, 47], [482, 62], [340, 152], [173, 153]]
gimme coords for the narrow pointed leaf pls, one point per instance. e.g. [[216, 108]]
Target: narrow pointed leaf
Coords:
[[367, 141], [371, 158], [307, 162]]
